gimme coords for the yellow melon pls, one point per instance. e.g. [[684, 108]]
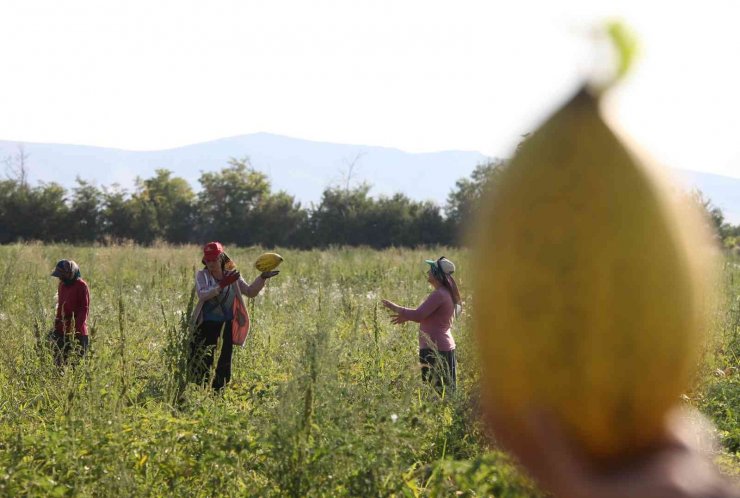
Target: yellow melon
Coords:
[[590, 291], [268, 261]]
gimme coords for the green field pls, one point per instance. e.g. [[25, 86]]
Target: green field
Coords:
[[325, 400]]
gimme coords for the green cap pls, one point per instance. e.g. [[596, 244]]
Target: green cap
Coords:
[[444, 264]]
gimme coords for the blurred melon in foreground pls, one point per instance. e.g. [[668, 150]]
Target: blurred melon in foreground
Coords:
[[592, 283]]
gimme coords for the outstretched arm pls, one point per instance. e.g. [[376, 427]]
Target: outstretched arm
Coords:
[[395, 317], [251, 290], [401, 315], [430, 304]]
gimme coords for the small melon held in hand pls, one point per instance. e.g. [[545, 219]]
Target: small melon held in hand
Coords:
[[591, 286], [268, 261]]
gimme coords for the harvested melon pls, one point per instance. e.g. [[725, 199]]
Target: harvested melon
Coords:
[[268, 261], [591, 286]]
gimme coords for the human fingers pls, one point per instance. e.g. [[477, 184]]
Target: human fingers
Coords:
[[229, 278], [674, 467], [539, 446]]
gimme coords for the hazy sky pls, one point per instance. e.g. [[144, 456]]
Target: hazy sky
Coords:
[[418, 75]]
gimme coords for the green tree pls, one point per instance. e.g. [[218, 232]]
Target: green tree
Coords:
[[8, 189], [278, 220], [341, 216], [33, 213], [400, 221], [117, 215], [228, 202], [43, 214], [170, 206], [162, 207], [144, 225], [467, 193], [86, 212], [350, 216], [429, 227], [712, 213], [387, 222]]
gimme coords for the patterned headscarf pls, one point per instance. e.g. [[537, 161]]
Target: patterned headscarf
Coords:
[[67, 270]]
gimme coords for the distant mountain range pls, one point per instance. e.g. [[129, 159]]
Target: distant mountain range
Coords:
[[303, 168]]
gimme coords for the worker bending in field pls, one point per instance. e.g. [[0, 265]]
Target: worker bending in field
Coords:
[[73, 305], [435, 314]]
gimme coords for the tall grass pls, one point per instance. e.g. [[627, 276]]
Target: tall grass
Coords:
[[717, 390]]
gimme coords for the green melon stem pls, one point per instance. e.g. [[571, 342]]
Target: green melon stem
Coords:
[[625, 44]]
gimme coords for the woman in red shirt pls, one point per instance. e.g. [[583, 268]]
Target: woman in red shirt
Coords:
[[73, 305], [435, 324]]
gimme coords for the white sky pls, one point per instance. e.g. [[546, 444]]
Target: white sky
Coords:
[[418, 75]]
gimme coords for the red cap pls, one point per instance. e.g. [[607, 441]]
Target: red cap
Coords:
[[212, 251]]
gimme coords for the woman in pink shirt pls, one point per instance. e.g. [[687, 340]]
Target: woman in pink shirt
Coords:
[[73, 306], [435, 314]]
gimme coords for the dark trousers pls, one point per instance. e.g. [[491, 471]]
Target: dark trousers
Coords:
[[65, 344], [439, 368], [203, 349]]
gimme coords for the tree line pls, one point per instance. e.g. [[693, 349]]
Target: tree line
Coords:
[[237, 205]]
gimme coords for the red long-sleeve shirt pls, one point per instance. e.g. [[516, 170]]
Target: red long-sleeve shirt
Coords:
[[73, 302]]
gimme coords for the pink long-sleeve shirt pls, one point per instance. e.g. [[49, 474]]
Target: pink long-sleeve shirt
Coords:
[[435, 320]]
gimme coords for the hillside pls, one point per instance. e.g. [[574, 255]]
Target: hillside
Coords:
[[301, 167]]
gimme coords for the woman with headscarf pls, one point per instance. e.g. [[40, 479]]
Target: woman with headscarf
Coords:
[[435, 316], [220, 313], [73, 306]]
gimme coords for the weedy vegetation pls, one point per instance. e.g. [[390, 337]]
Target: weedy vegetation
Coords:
[[325, 400]]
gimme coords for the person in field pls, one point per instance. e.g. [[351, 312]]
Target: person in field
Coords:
[[434, 315], [73, 306], [220, 313]]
